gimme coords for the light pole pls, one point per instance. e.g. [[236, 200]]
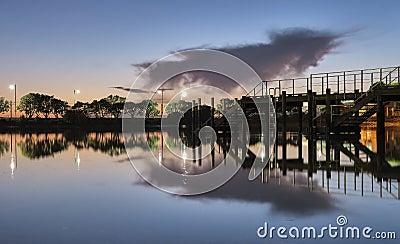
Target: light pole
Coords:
[[183, 95], [14, 87], [76, 92], [161, 91]]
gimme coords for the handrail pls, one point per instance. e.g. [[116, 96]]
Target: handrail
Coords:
[[317, 79], [376, 85]]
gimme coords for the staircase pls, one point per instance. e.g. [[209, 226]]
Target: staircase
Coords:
[[365, 106]]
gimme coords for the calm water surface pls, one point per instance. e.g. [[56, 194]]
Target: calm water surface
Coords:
[[68, 188]]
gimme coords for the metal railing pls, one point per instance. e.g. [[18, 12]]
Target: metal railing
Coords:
[[341, 82]]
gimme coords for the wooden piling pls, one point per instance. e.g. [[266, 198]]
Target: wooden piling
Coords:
[[193, 115], [212, 111], [328, 125], [284, 146], [380, 132], [199, 113]]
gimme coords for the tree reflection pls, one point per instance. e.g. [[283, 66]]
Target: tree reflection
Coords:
[[4, 146], [144, 141], [39, 147], [109, 143], [45, 145]]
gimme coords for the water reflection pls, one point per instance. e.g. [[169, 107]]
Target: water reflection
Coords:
[[346, 166], [42, 145], [4, 147]]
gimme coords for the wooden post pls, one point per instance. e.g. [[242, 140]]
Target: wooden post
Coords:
[[314, 108], [310, 108], [372, 79], [328, 125], [355, 82], [212, 112], [279, 86], [199, 112], [262, 89], [300, 139], [327, 80], [344, 180], [380, 131], [362, 182], [337, 156], [213, 156], [362, 81], [293, 86], [284, 147], [310, 99], [338, 84], [398, 189], [193, 115], [200, 154]]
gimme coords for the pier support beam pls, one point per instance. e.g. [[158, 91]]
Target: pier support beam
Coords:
[[310, 109], [212, 112], [284, 147], [300, 139], [193, 115], [199, 113], [311, 135], [328, 125], [380, 132]]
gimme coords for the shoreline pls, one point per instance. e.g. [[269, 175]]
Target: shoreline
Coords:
[[111, 124]]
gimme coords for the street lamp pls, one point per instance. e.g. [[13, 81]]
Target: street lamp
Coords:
[[76, 92], [183, 95], [161, 91], [14, 87]]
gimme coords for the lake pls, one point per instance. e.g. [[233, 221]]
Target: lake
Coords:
[[82, 188]]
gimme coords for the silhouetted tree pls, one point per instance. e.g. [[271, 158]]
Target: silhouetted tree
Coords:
[[81, 106], [133, 109], [28, 104], [75, 117], [145, 108], [41, 104], [4, 105], [58, 107], [44, 104], [151, 108], [103, 107], [115, 105], [180, 106], [94, 108]]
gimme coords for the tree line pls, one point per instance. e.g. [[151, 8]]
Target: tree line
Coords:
[[36, 105]]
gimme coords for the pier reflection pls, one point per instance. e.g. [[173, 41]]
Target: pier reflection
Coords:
[[348, 166]]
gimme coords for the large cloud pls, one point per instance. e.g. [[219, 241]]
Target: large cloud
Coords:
[[289, 52]]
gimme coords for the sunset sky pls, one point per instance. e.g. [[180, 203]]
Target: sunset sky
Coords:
[[55, 47]]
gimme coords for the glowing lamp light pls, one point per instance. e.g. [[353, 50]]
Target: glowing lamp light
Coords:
[[12, 165], [159, 157], [12, 87]]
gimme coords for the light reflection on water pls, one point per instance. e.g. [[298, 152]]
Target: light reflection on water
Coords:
[[80, 188]]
